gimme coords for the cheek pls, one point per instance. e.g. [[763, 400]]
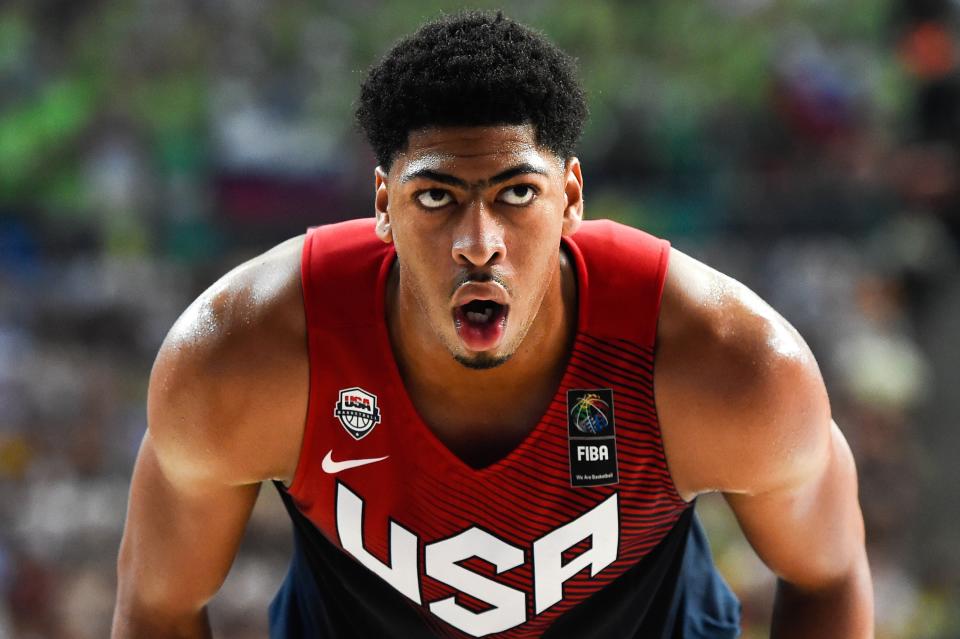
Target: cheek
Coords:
[[537, 264], [424, 273], [424, 242]]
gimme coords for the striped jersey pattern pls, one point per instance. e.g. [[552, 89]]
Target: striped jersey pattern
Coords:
[[531, 495], [397, 515]]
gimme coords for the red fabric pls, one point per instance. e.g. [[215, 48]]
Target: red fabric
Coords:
[[427, 489]]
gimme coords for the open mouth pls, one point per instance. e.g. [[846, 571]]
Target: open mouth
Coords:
[[480, 324]]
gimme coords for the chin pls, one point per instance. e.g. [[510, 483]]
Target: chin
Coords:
[[482, 361]]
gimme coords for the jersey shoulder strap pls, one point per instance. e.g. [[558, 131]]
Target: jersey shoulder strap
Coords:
[[340, 267], [621, 273]]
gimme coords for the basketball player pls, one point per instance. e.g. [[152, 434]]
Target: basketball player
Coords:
[[485, 415]]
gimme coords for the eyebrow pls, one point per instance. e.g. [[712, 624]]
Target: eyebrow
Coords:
[[446, 178]]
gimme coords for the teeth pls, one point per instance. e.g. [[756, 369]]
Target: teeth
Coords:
[[480, 317]]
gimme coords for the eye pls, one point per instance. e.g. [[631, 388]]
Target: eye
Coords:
[[434, 198], [518, 195]]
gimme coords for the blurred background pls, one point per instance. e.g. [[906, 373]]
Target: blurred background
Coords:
[[809, 148]]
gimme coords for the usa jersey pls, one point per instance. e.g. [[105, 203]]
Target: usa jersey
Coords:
[[578, 532]]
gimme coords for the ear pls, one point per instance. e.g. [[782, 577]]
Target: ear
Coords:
[[573, 190], [382, 206]]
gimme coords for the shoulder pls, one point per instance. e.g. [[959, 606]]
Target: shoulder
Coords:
[[741, 401], [228, 390]]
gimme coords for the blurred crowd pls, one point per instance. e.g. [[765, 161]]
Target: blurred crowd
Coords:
[[810, 149]]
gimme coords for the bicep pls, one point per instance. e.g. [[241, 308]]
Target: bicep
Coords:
[[180, 536], [810, 531]]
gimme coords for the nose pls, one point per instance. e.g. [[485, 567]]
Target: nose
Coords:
[[478, 237]]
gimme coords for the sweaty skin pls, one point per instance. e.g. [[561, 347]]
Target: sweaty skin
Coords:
[[742, 406]]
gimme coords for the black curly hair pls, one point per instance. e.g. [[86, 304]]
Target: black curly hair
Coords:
[[472, 69]]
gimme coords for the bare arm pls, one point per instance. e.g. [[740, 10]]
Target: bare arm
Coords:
[[745, 413], [811, 535], [179, 542], [225, 411]]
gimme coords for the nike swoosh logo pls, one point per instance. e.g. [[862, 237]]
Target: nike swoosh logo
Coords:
[[333, 467]]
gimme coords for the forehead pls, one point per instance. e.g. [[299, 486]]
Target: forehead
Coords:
[[463, 149]]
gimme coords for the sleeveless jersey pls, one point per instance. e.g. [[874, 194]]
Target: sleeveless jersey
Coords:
[[577, 532]]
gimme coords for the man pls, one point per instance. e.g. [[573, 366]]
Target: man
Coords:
[[483, 414]]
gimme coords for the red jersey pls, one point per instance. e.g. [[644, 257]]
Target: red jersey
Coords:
[[388, 518]]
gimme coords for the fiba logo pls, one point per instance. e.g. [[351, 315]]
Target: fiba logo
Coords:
[[589, 414], [592, 436], [357, 411]]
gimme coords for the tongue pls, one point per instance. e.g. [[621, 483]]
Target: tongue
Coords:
[[481, 335]]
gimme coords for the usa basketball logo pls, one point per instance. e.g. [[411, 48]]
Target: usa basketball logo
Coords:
[[357, 411], [589, 414]]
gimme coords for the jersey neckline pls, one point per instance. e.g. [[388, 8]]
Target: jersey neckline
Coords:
[[393, 370]]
